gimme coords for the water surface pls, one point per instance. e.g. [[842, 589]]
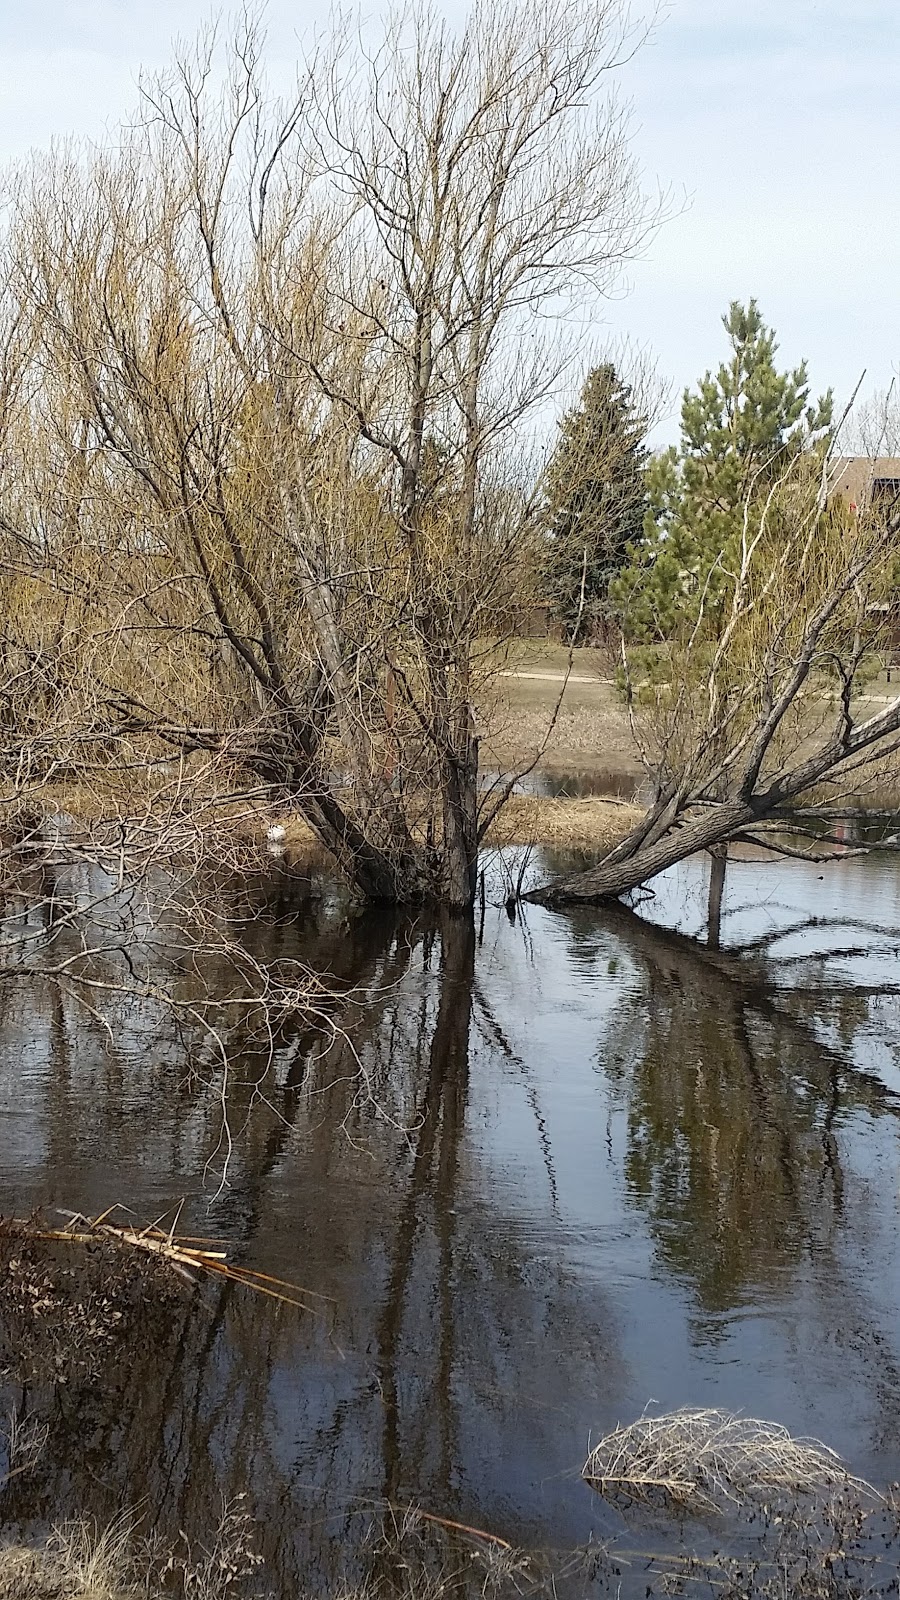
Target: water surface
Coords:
[[547, 1177]]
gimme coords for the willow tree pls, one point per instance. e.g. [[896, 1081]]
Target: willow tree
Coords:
[[297, 344]]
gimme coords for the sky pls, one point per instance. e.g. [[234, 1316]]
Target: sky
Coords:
[[774, 125], [778, 122]]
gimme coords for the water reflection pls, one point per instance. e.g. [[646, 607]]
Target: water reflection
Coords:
[[732, 1109], [536, 1182]]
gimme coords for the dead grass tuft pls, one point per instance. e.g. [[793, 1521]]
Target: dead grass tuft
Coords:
[[703, 1460], [79, 1562], [83, 1562]]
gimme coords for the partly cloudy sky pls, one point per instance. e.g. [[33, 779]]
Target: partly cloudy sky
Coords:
[[776, 122]]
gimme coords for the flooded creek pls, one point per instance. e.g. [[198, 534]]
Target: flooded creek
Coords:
[[545, 1177]]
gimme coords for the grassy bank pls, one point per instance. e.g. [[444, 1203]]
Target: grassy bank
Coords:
[[526, 819], [592, 733], [591, 740], [591, 823]]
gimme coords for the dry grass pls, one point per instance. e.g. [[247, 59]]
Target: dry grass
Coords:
[[584, 823], [591, 734], [220, 1571], [591, 823], [83, 1562], [592, 737], [79, 1562], [703, 1460], [550, 655]]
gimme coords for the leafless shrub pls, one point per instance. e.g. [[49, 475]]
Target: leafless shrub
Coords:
[[221, 1570]]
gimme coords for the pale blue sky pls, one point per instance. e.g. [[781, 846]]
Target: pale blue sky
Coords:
[[777, 118], [780, 118]]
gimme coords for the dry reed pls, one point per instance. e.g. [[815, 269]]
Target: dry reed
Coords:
[[703, 1460], [84, 1561], [188, 1257], [79, 1562]]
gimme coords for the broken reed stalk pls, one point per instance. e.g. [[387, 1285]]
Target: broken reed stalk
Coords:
[[181, 1254], [457, 1527], [701, 1460]]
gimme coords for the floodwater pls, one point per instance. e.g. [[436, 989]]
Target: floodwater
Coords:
[[605, 784], [557, 1170]]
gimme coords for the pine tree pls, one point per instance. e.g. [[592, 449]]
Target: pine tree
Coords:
[[739, 430], [595, 499]]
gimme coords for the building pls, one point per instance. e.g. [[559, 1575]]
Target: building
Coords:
[[873, 483], [866, 481]]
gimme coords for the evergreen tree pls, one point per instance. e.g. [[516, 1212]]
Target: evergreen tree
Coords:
[[739, 430], [595, 498]]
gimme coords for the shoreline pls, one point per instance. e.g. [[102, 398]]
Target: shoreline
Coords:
[[582, 823]]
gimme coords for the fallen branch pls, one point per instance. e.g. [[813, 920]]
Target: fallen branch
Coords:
[[456, 1527]]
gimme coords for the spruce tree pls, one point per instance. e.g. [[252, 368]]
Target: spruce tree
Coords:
[[739, 430], [595, 499]]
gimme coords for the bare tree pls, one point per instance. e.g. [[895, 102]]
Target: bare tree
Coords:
[[760, 728]]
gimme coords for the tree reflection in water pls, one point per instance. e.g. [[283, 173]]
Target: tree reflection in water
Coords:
[[732, 1102], [473, 1176]]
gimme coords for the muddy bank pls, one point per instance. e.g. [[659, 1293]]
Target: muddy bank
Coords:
[[64, 1309]]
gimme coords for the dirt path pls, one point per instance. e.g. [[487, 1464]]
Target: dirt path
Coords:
[[555, 677]]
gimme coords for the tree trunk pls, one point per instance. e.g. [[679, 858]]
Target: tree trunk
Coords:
[[366, 867], [714, 825], [460, 807], [718, 859]]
